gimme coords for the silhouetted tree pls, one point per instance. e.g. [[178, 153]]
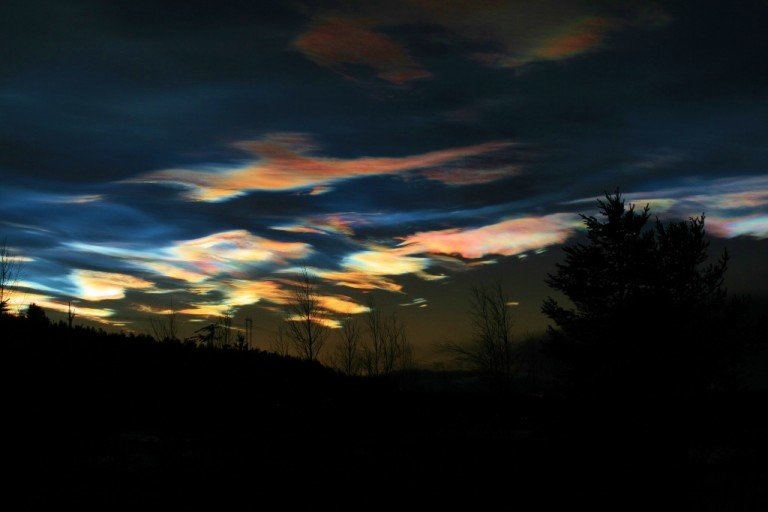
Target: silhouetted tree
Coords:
[[305, 315], [648, 311], [224, 329], [398, 353], [490, 350], [280, 344], [36, 316], [166, 327], [10, 270], [205, 336], [373, 352], [240, 342], [347, 356], [388, 349]]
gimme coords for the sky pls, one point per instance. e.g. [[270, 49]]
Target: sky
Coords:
[[196, 155]]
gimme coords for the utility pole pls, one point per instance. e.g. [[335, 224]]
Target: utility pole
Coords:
[[248, 332], [70, 314]]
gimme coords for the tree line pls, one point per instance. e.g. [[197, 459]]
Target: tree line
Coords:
[[642, 307]]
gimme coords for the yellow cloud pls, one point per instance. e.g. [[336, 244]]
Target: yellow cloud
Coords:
[[384, 262], [358, 280], [205, 309], [343, 305], [174, 272], [240, 292], [96, 286], [322, 320]]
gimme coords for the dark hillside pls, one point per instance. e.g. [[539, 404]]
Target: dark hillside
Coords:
[[104, 420]]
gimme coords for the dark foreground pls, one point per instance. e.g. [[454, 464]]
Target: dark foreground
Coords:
[[109, 422]]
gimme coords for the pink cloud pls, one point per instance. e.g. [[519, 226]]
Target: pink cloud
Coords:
[[506, 238]]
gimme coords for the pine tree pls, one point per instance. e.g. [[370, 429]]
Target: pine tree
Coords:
[[648, 313]]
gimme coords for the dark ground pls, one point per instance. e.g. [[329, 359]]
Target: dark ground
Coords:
[[107, 422]]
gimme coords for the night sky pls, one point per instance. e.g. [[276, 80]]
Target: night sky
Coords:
[[199, 153]]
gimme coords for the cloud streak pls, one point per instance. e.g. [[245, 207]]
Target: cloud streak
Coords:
[[505, 238], [286, 162], [733, 206]]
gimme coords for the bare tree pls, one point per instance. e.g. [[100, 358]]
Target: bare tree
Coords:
[[398, 353], [165, 328], [388, 349], [280, 344], [304, 318], [373, 352], [347, 356], [10, 270], [224, 329], [491, 348]]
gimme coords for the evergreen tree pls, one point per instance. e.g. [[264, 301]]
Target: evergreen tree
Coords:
[[649, 313]]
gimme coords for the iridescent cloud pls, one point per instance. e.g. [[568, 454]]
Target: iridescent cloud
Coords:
[[221, 252], [198, 259], [384, 262], [341, 304], [337, 43], [331, 323], [205, 309], [242, 292], [236, 293], [285, 162], [519, 32], [568, 40], [78, 199], [340, 224], [506, 238], [96, 286], [733, 206], [747, 225], [469, 176], [373, 267], [174, 271], [357, 280]]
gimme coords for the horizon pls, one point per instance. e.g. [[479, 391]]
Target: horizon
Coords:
[[403, 149]]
